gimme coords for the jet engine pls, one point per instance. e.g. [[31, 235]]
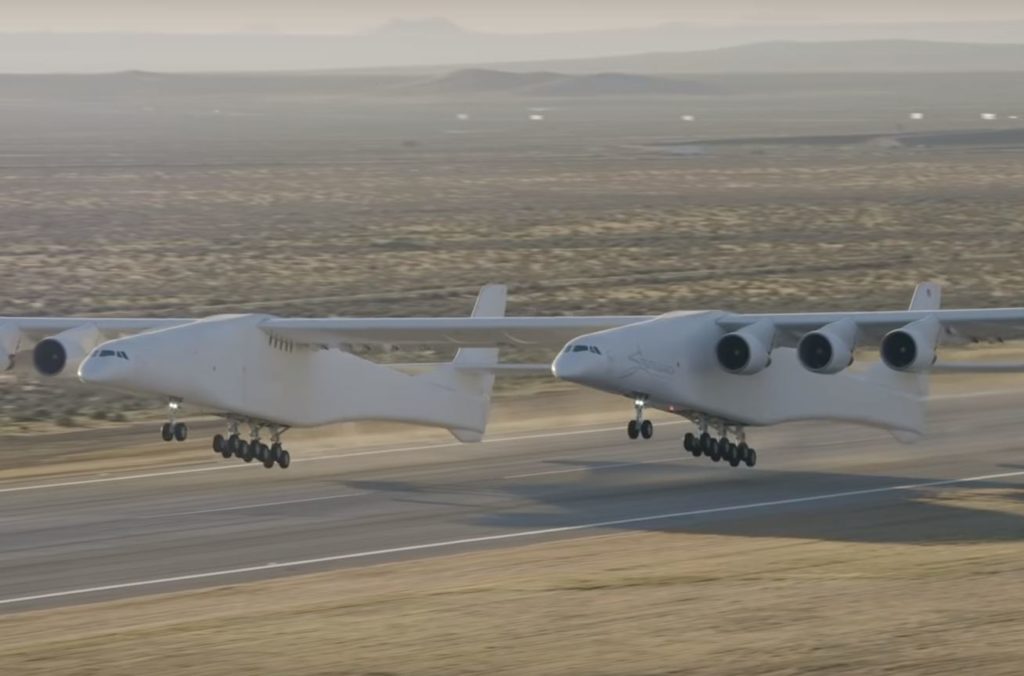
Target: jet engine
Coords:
[[10, 341], [61, 355], [830, 348], [748, 350], [912, 348]]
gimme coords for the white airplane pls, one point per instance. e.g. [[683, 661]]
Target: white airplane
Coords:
[[251, 371]]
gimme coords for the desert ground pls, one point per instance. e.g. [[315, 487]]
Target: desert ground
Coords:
[[133, 195]]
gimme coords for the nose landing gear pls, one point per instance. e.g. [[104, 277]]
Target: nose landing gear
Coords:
[[638, 426], [173, 430]]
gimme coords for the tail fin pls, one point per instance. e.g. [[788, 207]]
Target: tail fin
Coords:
[[469, 372], [927, 296]]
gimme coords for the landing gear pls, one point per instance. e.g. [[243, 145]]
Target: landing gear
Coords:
[[172, 430], [720, 448], [638, 427], [254, 449]]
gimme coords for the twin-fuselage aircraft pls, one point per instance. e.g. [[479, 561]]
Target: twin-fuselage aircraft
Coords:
[[723, 371]]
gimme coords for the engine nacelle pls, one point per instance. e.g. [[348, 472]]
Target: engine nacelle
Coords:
[[830, 348], [10, 343], [748, 350], [61, 355], [912, 348]]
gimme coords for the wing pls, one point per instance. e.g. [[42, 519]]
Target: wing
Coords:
[[958, 326], [461, 331], [43, 327]]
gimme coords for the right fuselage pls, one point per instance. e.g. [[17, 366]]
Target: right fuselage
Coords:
[[669, 363]]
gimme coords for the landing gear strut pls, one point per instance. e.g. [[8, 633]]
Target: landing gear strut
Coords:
[[720, 448], [638, 426]]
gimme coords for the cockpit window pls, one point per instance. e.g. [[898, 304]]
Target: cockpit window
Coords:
[[581, 348], [593, 348], [119, 354]]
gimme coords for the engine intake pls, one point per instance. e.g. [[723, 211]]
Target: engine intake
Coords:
[[61, 355], [829, 349], [746, 351], [912, 348]]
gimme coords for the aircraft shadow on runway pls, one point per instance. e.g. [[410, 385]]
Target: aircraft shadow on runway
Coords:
[[607, 491]]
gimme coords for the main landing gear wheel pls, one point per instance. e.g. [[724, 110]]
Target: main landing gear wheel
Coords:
[[167, 432], [284, 459], [647, 429], [218, 444], [632, 429], [180, 431], [691, 444], [751, 459], [235, 444], [249, 451], [706, 443]]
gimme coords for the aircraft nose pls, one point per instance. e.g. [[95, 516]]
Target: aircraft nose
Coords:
[[578, 367], [95, 370]]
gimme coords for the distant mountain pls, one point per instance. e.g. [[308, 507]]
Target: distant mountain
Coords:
[[878, 56], [548, 84], [430, 43]]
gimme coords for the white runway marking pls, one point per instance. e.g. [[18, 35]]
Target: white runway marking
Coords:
[[497, 538]]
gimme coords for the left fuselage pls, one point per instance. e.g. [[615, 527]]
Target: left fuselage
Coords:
[[228, 365]]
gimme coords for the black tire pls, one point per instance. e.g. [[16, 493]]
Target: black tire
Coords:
[[734, 455], [262, 452], [249, 451], [742, 451], [751, 457], [690, 443], [268, 459], [632, 430], [284, 459], [235, 445], [714, 453], [180, 432], [218, 443], [275, 451], [705, 444], [167, 432], [647, 429]]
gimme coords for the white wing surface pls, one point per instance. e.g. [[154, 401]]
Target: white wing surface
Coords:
[[461, 331]]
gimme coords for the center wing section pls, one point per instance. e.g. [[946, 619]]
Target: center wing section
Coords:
[[459, 331]]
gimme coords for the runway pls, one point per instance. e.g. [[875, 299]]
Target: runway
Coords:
[[82, 539]]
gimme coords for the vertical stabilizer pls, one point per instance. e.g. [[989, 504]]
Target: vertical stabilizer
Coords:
[[471, 372], [927, 296]]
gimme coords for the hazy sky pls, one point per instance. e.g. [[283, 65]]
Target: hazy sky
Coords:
[[345, 16]]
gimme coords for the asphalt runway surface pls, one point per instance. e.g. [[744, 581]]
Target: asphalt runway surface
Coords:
[[80, 539]]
